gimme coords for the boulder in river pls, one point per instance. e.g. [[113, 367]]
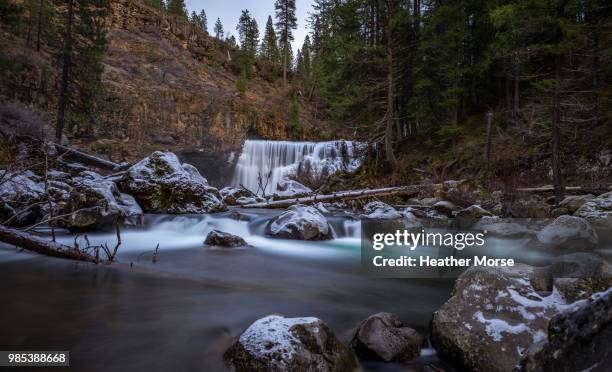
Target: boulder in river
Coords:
[[161, 184], [573, 202], [504, 228], [278, 344], [474, 211], [384, 336], [290, 188], [445, 208], [568, 233], [95, 202], [219, 238], [494, 316], [598, 211], [579, 339], [302, 223], [579, 275], [378, 210]]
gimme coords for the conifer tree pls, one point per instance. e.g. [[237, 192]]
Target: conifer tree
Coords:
[[177, 7], [286, 22], [157, 4], [269, 50], [204, 21], [218, 29]]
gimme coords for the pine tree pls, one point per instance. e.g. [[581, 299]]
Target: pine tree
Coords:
[[305, 66], [157, 4], [194, 19], [248, 33], [269, 50], [218, 29], [84, 44], [286, 22], [204, 21], [177, 7], [232, 41]]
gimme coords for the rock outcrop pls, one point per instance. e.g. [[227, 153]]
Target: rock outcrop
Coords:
[[568, 233], [17, 192], [378, 210], [384, 336], [279, 344], [302, 223], [161, 184], [598, 211]]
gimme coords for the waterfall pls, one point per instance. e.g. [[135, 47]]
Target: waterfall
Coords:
[[281, 159]]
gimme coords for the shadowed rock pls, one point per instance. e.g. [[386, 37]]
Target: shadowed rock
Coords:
[[222, 239]]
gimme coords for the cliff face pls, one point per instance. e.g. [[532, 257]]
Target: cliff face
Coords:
[[167, 86]]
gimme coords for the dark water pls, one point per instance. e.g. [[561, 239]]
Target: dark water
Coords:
[[182, 312]]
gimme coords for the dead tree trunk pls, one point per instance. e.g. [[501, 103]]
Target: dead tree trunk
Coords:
[[43, 246], [87, 159], [487, 153], [391, 114], [343, 195]]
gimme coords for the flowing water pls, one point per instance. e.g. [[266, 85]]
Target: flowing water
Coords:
[[278, 159], [182, 311]]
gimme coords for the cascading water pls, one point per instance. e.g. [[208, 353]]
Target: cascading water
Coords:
[[279, 159]]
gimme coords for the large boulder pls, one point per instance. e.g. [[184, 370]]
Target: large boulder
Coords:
[[493, 317], [568, 233], [597, 211], [161, 184], [302, 223], [95, 202], [279, 344], [578, 339], [579, 275], [219, 238], [378, 210], [504, 228], [573, 202], [384, 336], [17, 192]]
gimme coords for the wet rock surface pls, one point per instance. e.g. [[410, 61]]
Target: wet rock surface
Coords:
[[568, 233], [384, 336], [222, 239]]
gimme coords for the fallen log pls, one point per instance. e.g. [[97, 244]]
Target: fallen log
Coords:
[[343, 195], [43, 246], [547, 188], [84, 158]]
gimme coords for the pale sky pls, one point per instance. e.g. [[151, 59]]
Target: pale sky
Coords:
[[229, 12]]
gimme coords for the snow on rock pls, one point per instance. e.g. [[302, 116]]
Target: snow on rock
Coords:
[[95, 202], [568, 233], [17, 191], [579, 338], [493, 316], [276, 343], [301, 222], [598, 211], [378, 210], [231, 196], [384, 336], [161, 184], [290, 188], [474, 211]]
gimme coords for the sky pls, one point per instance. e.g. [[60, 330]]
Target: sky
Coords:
[[229, 12]]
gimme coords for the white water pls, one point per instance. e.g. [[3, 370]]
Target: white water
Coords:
[[281, 159]]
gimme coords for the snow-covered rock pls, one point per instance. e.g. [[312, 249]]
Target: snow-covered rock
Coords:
[[378, 210], [161, 184], [95, 202], [494, 315], [301, 222], [231, 195], [573, 202], [278, 344], [444, 207], [18, 191], [568, 233], [474, 211], [598, 211], [222, 239], [384, 336], [290, 188], [579, 338]]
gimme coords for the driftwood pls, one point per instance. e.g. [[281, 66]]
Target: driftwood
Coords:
[[43, 246], [87, 159], [343, 195], [547, 188]]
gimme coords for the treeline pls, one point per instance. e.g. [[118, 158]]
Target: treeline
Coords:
[[388, 69], [74, 31]]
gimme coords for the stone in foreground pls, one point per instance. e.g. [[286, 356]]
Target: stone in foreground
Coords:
[[493, 317], [378, 210], [161, 184], [276, 344], [301, 222], [384, 336], [219, 238]]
